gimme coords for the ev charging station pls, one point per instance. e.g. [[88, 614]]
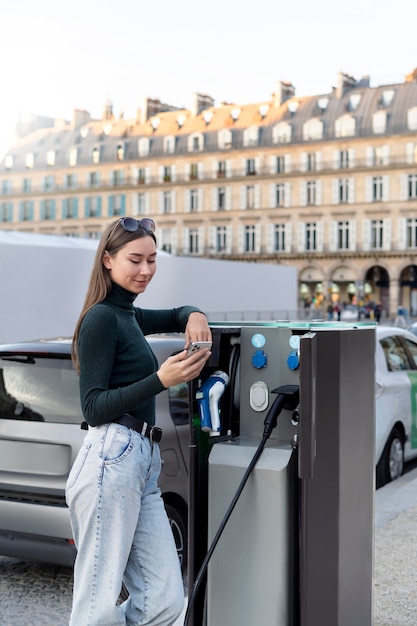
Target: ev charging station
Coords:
[[292, 414]]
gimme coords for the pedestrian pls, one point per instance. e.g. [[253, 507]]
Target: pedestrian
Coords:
[[119, 524]]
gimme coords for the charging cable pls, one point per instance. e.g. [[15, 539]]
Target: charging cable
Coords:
[[287, 398]]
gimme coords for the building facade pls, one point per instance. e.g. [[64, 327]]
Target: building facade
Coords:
[[325, 183]]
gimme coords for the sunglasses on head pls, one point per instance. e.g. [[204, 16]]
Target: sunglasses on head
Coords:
[[130, 224]]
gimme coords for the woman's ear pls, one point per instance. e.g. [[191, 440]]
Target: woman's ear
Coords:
[[107, 260]]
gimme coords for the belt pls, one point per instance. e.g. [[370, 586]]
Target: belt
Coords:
[[146, 430]]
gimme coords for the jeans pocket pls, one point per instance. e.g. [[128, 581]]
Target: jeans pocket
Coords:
[[117, 444], [78, 465]]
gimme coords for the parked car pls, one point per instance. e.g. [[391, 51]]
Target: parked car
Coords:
[[40, 435], [396, 405]]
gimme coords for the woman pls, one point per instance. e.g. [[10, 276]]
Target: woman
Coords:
[[117, 514]]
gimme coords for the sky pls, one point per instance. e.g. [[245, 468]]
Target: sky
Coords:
[[57, 56]]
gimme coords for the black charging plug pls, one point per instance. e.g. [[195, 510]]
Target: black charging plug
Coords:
[[288, 398]]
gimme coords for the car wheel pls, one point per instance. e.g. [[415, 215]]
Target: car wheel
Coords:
[[179, 530], [391, 463]]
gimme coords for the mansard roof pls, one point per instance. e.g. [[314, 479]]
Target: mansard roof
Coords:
[[350, 99]]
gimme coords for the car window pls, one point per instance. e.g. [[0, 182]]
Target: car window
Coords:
[[44, 390], [179, 403], [395, 354], [412, 348]]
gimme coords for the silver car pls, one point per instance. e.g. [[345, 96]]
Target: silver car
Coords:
[[40, 435]]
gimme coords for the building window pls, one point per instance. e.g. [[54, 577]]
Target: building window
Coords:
[[280, 165], [221, 169], [69, 181], [26, 185], [193, 200], [166, 174], [221, 238], [193, 240], [8, 162], [93, 179], [193, 171], [26, 211], [93, 207], [412, 186], [377, 188], [48, 210], [311, 162], [343, 235], [6, 211], [343, 185], [377, 234], [343, 159], [141, 203], [249, 239], [141, 180], [70, 208], [279, 238], [166, 202], [48, 183], [221, 198], [95, 155], [280, 194], [117, 178], [117, 205], [250, 167], [250, 197], [412, 232], [311, 192], [311, 236], [251, 136], [6, 187]]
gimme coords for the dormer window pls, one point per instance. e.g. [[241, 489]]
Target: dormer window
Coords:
[[8, 162], [50, 158], [169, 144], [345, 126], [386, 97], [281, 133], [412, 118], [120, 152], [379, 122], [143, 146], [72, 157], [313, 129], [195, 142], [95, 155], [30, 160], [251, 136], [224, 138], [354, 100]]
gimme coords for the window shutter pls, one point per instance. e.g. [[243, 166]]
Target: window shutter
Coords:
[[353, 234], [243, 197], [369, 156], [272, 195], [385, 188], [320, 236], [173, 201], [258, 238], [333, 236], [336, 159], [404, 186], [87, 204], [301, 237], [75, 207], [228, 198], [303, 193], [42, 210], [241, 239], [187, 202], [201, 199], [366, 234], [287, 192], [319, 193], [270, 229], [287, 163], [351, 154], [214, 198], [173, 173], [303, 161], [319, 160], [288, 237], [229, 239], [123, 204], [386, 235], [335, 191], [410, 151], [368, 189], [385, 155], [402, 233], [65, 208], [351, 190], [257, 197], [98, 206], [228, 168], [272, 164], [186, 241], [258, 165]]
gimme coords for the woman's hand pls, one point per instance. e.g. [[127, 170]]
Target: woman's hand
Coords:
[[181, 368], [197, 329]]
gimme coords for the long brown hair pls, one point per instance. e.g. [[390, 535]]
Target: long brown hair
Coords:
[[112, 240]]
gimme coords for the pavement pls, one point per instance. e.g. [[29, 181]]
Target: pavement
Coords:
[[33, 594], [395, 561]]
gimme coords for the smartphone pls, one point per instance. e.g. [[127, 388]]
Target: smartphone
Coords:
[[197, 345]]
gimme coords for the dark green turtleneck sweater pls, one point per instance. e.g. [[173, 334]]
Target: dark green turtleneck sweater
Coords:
[[117, 366]]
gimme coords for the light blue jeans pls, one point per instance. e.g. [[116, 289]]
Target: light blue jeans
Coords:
[[122, 533]]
